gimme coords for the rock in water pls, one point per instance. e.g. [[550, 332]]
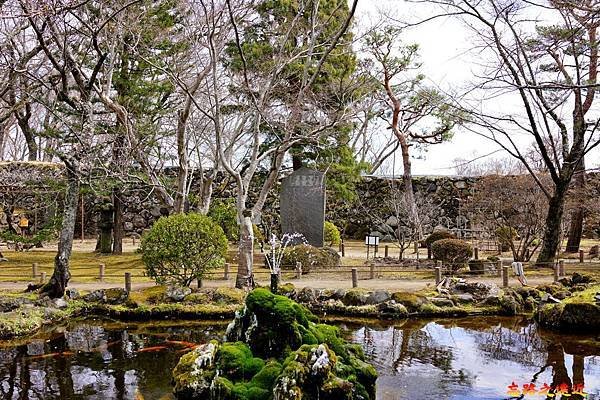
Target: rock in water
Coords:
[[306, 360]]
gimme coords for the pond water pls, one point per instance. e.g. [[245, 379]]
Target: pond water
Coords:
[[468, 358]]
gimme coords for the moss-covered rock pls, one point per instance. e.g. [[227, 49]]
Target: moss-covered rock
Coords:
[[305, 359], [229, 295], [195, 372], [578, 313], [356, 297], [412, 301]]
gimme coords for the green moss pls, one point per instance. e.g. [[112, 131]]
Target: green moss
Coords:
[[286, 289], [222, 388], [280, 320], [329, 335], [20, 322], [150, 295], [237, 362], [189, 377], [585, 296], [197, 298], [355, 297], [413, 302], [229, 295], [430, 309]]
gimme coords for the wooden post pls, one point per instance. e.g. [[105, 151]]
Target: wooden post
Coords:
[[354, 277], [43, 278], [128, 282], [199, 283], [226, 272], [34, 270], [561, 268], [438, 275], [499, 249], [386, 251], [101, 272], [416, 244], [556, 272], [372, 271], [428, 252], [499, 267], [376, 250], [133, 240], [505, 276], [581, 256], [298, 269], [342, 249], [476, 253]]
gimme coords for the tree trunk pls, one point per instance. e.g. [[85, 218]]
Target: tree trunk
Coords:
[[244, 278], [60, 277], [118, 229], [23, 122], [551, 242], [409, 195], [119, 160], [182, 155], [206, 195], [576, 228], [3, 134]]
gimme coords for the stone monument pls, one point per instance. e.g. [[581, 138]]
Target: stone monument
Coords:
[[303, 204]]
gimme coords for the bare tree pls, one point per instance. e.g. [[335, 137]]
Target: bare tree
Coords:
[[513, 209], [550, 66], [412, 105]]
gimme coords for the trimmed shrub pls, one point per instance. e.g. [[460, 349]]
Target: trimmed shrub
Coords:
[[223, 212], [452, 251], [505, 235], [332, 234], [183, 247], [310, 257], [438, 235]]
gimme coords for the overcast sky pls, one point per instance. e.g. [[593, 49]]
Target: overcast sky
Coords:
[[448, 62]]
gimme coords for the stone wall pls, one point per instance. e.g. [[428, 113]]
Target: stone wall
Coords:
[[441, 200]]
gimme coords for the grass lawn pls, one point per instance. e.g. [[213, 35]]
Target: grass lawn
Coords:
[[84, 266]]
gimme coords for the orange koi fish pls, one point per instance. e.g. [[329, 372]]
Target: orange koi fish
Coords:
[[51, 355], [181, 343], [150, 349]]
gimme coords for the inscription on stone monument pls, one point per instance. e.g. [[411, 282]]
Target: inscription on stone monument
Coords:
[[303, 205]]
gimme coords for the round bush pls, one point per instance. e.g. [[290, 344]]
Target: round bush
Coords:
[[438, 235], [183, 247], [310, 257], [332, 233], [452, 251]]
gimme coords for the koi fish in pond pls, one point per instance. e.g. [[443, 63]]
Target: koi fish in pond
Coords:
[[181, 343], [51, 355], [151, 349]]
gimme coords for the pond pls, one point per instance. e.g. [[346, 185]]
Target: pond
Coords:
[[468, 358]]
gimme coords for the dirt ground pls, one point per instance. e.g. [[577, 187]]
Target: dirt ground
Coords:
[[394, 285]]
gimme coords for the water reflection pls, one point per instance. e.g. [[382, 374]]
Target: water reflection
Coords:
[[99, 360], [471, 358], [477, 358]]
